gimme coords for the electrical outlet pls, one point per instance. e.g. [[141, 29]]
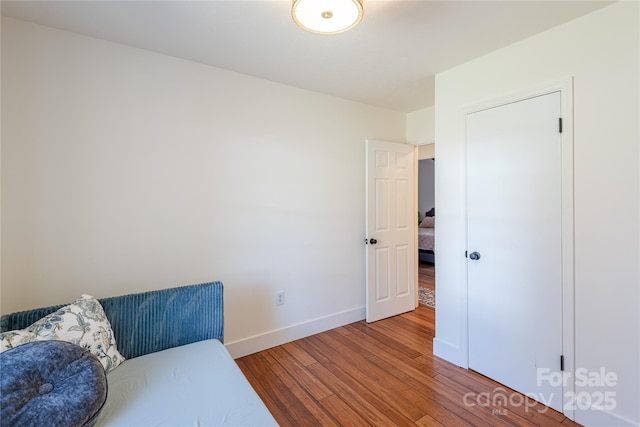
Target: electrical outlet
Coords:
[[280, 298]]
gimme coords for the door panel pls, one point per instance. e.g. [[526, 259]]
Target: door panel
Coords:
[[382, 274], [390, 222], [514, 223], [382, 205], [402, 261]]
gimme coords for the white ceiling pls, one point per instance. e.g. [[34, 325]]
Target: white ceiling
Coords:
[[389, 60]]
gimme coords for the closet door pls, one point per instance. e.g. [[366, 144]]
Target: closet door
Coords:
[[515, 245]]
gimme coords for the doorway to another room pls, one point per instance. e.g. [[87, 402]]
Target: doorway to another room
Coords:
[[427, 284], [426, 225]]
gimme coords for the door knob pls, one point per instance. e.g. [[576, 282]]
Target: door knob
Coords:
[[373, 241], [474, 256]]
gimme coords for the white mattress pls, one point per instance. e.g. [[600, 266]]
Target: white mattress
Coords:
[[193, 385]]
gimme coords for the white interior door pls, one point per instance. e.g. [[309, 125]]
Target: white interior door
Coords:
[[514, 226], [391, 229]]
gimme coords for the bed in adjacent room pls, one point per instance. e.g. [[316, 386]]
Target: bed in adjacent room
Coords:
[[426, 238]]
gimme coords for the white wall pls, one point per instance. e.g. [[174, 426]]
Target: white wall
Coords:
[[426, 151], [124, 170], [421, 126], [601, 51]]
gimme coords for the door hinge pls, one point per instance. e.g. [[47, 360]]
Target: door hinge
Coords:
[[562, 362], [560, 125]]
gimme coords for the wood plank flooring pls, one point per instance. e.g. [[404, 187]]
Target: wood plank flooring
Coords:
[[383, 374], [427, 276]]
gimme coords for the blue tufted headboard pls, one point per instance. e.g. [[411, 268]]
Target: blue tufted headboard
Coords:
[[151, 321]]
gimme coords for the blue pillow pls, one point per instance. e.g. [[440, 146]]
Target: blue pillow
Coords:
[[51, 383]]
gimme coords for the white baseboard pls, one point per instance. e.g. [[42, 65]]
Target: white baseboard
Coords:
[[448, 352], [270, 339], [598, 418], [588, 418]]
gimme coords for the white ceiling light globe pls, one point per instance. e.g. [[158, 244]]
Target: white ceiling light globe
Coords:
[[327, 16]]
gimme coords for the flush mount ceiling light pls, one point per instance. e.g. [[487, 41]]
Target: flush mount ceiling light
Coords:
[[327, 16]]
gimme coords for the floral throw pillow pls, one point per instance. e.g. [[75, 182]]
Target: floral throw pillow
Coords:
[[83, 323]]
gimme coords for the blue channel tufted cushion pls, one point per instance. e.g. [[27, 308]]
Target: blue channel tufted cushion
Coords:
[[151, 321], [51, 383]]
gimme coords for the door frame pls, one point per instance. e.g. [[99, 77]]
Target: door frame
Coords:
[[565, 87], [422, 152]]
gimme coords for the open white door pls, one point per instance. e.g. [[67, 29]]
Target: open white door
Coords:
[[391, 229]]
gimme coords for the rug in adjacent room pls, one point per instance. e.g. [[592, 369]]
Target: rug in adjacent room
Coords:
[[427, 297]]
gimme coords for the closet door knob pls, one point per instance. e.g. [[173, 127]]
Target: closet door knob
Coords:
[[373, 241], [474, 256]]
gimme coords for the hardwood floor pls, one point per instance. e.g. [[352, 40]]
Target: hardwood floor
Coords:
[[427, 275], [382, 374]]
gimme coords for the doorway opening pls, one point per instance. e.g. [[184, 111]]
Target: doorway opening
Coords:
[[426, 225]]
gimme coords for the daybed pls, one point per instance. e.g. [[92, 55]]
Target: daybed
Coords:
[[176, 371]]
